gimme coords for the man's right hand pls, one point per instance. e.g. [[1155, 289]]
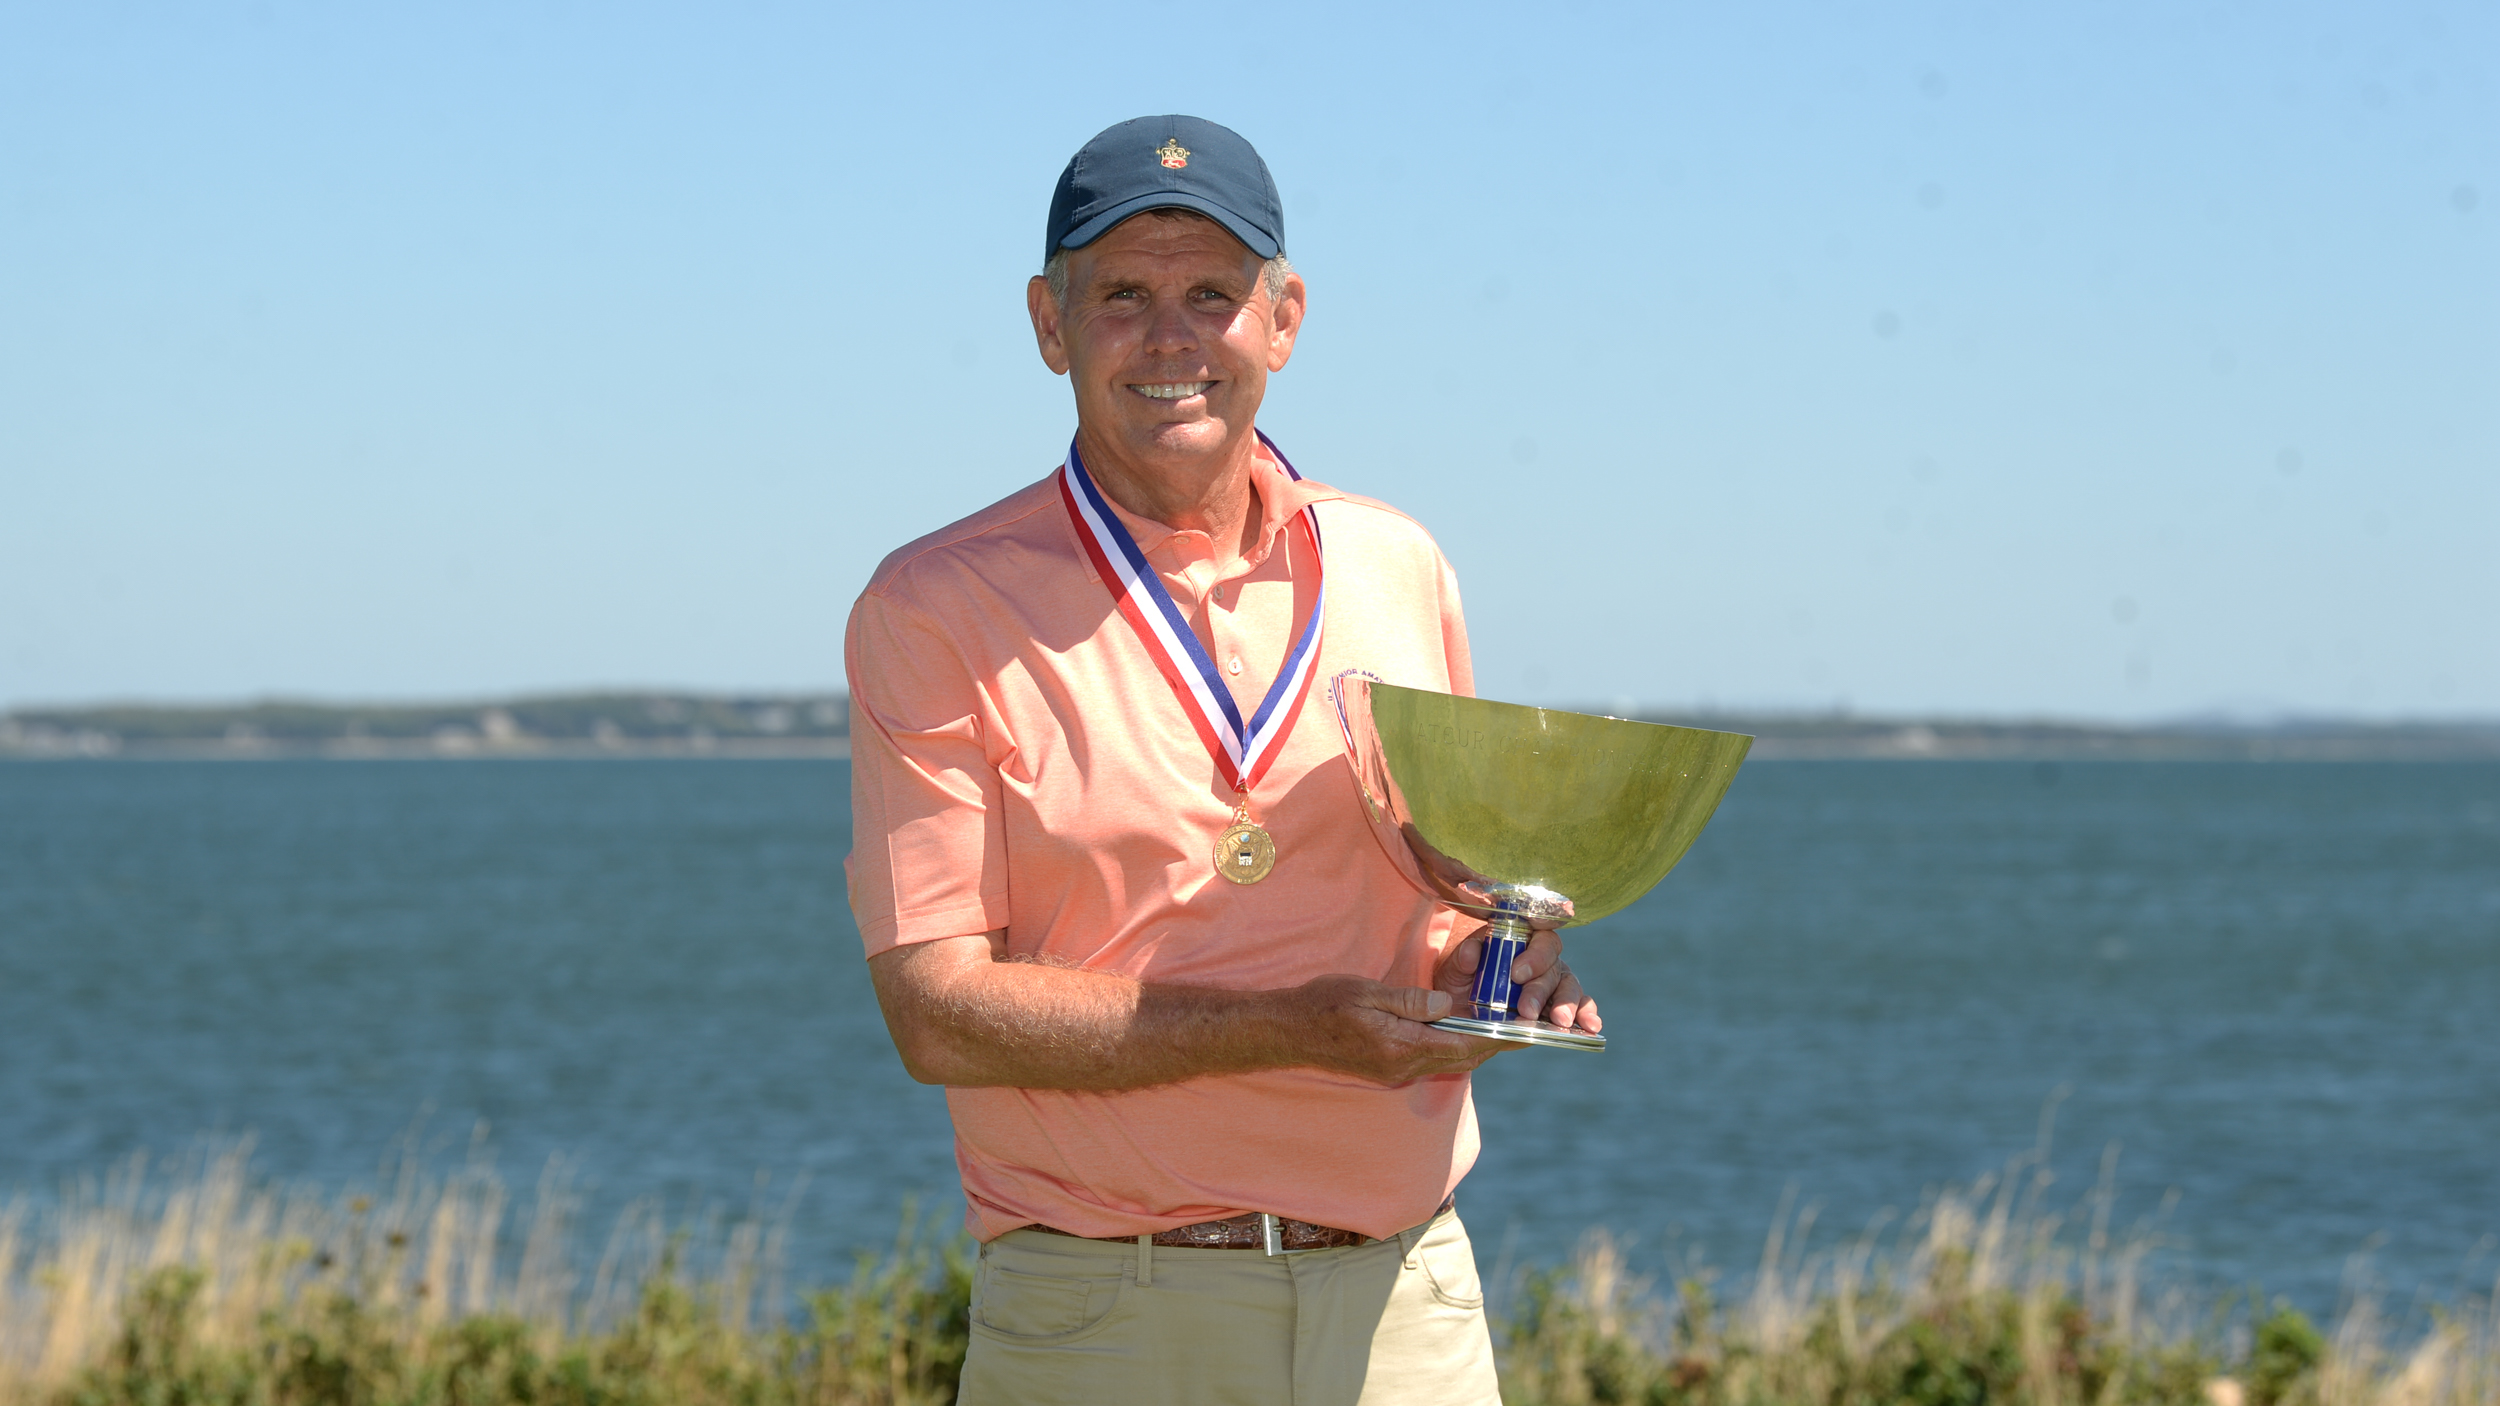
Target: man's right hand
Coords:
[[1379, 1032]]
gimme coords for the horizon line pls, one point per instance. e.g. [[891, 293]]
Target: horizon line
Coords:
[[2203, 720]]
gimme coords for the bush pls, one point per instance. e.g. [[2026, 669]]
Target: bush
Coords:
[[2284, 1357]]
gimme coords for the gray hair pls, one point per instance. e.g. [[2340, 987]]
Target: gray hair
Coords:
[[1055, 270]]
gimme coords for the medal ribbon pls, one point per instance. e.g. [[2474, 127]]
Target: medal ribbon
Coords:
[[1242, 754]]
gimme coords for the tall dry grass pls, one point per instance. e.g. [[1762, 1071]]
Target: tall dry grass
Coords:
[[1983, 1296], [210, 1290], [207, 1289]]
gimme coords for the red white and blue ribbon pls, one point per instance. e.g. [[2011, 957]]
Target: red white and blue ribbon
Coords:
[[1242, 753]]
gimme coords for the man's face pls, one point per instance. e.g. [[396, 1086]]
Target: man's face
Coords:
[[1168, 336]]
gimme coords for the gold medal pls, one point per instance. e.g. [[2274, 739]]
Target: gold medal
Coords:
[[1244, 853]]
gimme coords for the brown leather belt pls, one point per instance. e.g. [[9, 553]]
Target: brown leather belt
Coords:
[[1257, 1230]]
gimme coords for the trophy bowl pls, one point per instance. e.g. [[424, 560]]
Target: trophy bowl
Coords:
[[1528, 817]]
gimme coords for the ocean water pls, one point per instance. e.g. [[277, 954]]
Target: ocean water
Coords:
[[2272, 991]]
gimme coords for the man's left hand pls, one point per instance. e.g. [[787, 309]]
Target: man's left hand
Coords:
[[1544, 983]]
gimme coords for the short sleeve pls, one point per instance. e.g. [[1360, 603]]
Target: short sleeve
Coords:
[[1454, 631], [928, 850]]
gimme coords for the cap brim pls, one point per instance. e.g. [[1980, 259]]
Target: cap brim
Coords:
[[1260, 242]]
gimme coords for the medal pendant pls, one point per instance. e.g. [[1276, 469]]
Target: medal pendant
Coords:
[[1244, 853]]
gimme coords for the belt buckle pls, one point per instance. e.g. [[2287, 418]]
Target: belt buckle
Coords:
[[1272, 1237]]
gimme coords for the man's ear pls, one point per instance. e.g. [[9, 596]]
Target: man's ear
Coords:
[[1046, 318], [1285, 321]]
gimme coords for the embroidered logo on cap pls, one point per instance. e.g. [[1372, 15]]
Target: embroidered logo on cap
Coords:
[[1175, 156]]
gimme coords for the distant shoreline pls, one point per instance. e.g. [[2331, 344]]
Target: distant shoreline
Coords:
[[816, 727], [555, 726], [735, 749]]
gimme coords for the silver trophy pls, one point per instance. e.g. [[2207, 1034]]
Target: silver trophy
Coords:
[[1528, 817]]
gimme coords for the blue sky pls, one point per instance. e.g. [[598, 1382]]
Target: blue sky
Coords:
[[2121, 360]]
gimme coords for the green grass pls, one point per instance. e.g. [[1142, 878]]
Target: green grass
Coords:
[[215, 1293]]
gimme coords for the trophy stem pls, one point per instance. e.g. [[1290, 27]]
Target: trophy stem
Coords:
[[1504, 939], [1489, 1014]]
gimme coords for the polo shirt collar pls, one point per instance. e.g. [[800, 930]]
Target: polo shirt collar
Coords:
[[1280, 497]]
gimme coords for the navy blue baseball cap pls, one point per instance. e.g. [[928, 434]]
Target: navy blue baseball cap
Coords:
[[1166, 163]]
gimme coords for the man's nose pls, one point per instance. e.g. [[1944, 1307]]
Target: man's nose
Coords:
[[1168, 330]]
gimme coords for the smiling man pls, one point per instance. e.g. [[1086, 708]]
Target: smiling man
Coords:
[[1112, 873]]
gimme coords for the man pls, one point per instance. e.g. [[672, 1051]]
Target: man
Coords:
[[1113, 876]]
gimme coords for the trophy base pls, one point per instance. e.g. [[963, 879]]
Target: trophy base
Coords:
[[1525, 1032]]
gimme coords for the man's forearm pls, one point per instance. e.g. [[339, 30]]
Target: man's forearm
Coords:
[[985, 1022], [963, 1018]]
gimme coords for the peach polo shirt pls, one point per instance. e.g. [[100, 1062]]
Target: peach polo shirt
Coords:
[[1019, 763]]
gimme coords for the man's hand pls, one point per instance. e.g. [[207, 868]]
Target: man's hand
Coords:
[[1545, 985], [1378, 1032], [963, 1014]]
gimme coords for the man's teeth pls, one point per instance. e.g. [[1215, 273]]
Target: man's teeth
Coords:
[[1174, 390]]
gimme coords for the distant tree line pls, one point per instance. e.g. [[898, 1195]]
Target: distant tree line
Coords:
[[628, 721]]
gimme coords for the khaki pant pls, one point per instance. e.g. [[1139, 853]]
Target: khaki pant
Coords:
[[1059, 1320]]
